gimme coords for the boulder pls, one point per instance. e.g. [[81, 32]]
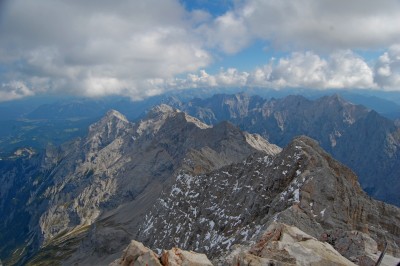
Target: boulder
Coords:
[[178, 257], [282, 244], [137, 254]]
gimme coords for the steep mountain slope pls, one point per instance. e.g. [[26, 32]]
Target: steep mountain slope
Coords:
[[302, 186], [358, 137], [119, 166]]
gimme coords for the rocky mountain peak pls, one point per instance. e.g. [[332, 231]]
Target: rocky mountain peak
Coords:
[[111, 126], [161, 109], [335, 99], [112, 119], [155, 119], [113, 114]]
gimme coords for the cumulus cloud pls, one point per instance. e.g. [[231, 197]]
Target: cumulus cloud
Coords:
[[14, 90], [228, 33], [342, 70], [319, 25], [387, 69], [98, 47]]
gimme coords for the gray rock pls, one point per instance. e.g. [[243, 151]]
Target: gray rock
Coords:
[[287, 245]]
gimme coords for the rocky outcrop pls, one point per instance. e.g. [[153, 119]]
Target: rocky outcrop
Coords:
[[177, 257], [287, 245], [137, 254]]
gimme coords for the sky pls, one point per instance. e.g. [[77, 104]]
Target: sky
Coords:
[[141, 48]]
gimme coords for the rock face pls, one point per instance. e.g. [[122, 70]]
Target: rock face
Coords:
[[137, 254], [353, 134]]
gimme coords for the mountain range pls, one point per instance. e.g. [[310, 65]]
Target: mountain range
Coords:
[[171, 179], [36, 121]]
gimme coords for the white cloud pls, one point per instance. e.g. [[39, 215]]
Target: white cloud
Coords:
[[99, 47], [319, 25], [227, 33], [14, 90], [137, 48], [300, 69], [387, 69], [342, 70]]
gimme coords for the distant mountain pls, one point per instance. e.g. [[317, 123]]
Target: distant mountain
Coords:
[[359, 137], [386, 108], [36, 122]]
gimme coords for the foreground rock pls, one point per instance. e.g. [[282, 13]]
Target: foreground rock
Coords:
[[287, 245], [138, 255]]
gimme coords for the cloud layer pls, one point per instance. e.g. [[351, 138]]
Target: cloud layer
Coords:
[[138, 48], [319, 25], [342, 69], [98, 47]]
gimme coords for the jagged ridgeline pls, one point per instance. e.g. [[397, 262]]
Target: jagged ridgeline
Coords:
[[172, 180]]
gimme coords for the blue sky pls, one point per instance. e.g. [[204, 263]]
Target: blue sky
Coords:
[[147, 47]]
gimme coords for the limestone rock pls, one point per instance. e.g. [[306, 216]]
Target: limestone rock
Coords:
[[178, 257], [287, 245], [138, 255]]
